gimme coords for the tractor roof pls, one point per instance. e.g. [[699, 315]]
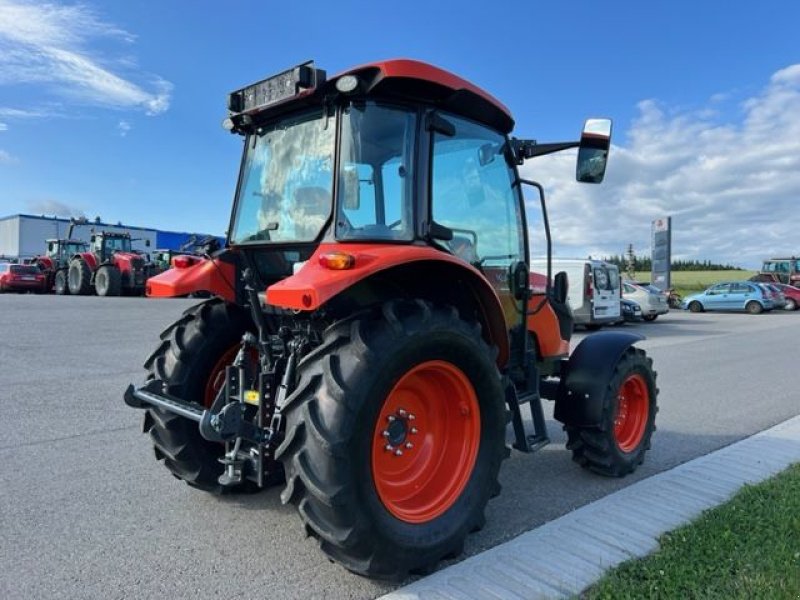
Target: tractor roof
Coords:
[[401, 79], [424, 82]]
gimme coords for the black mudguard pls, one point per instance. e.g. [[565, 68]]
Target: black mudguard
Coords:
[[579, 400]]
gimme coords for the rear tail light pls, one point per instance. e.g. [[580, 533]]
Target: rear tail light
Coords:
[[182, 262]]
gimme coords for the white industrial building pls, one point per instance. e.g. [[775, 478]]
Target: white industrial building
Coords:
[[23, 236]]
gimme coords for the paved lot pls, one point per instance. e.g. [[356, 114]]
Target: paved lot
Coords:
[[86, 512]]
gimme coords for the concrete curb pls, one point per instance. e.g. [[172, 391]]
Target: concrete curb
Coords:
[[563, 557]]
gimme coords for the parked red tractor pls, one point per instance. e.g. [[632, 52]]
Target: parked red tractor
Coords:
[[110, 267], [54, 263], [374, 330]]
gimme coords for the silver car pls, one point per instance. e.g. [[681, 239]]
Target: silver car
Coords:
[[652, 300]]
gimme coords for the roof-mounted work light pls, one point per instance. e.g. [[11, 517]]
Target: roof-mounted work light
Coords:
[[276, 89]]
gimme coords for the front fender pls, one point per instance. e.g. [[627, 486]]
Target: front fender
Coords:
[[579, 400]]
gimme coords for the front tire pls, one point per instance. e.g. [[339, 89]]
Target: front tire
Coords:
[[650, 318], [790, 304], [394, 438], [617, 445], [60, 285], [79, 278], [695, 307], [191, 360]]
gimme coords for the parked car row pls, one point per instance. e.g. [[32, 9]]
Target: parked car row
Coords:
[[749, 296]]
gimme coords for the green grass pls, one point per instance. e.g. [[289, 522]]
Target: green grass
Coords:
[[691, 282], [746, 548]]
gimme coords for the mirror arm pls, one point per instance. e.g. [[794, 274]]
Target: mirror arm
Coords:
[[525, 149]]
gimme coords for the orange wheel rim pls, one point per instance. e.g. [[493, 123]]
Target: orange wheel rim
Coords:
[[216, 378], [425, 442], [633, 410]]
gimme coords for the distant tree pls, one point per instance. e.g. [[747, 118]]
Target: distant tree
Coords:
[[644, 264]]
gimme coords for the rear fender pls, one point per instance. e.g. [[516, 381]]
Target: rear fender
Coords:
[[214, 275], [579, 399], [314, 284]]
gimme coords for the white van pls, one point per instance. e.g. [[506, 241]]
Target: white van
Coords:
[[594, 289]]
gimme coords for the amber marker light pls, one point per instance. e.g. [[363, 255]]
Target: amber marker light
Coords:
[[337, 261]]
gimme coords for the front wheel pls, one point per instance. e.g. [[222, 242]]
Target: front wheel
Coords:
[[616, 446], [79, 278], [394, 438], [60, 285], [790, 304], [650, 317], [695, 307]]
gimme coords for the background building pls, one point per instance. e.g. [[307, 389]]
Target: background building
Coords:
[[23, 236]]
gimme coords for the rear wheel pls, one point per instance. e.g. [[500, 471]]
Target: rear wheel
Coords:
[[754, 308], [79, 278], [60, 285], [191, 359], [695, 307], [790, 304], [617, 445], [394, 438], [108, 281]]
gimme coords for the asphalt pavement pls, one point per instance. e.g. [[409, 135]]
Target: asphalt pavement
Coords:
[[86, 512]]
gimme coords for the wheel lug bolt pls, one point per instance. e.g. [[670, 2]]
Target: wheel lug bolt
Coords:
[[414, 430], [398, 452], [388, 447], [401, 412], [409, 445], [385, 433], [391, 418], [411, 416]]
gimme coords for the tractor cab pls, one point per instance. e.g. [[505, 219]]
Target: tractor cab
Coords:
[[60, 251], [105, 244]]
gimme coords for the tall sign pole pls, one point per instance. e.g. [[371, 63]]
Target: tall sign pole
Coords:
[[661, 253]]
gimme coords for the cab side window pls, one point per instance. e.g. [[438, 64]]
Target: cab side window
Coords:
[[472, 194]]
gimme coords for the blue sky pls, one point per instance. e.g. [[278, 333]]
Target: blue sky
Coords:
[[114, 108]]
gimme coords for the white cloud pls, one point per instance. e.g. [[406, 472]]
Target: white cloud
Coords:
[[3, 127], [123, 127], [53, 44], [732, 188], [6, 158]]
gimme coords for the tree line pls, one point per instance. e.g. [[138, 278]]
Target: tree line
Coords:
[[641, 263]]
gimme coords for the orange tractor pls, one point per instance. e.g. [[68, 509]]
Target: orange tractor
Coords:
[[373, 330]]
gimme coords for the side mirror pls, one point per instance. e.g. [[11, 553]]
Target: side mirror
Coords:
[[593, 151], [352, 189]]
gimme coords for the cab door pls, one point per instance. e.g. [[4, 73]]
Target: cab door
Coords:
[[472, 194]]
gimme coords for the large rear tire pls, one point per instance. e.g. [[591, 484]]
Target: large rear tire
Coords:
[[394, 438], [60, 284], [108, 281], [617, 445], [191, 360], [79, 278]]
